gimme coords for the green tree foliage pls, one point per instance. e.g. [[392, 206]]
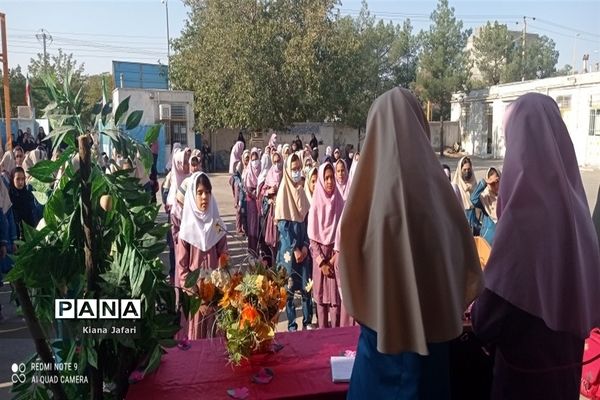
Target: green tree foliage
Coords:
[[567, 69], [443, 66], [126, 243], [368, 58], [493, 47], [540, 60], [499, 56], [260, 61], [16, 82], [57, 67], [274, 63]]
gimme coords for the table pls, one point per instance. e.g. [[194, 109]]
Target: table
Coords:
[[301, 369]]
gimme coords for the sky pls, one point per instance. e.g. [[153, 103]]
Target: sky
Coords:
[[99, 31]]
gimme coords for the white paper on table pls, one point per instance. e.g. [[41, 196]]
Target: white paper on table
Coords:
[[341, 368]]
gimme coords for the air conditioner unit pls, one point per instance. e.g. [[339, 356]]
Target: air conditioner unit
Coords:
[[24, 112], [164, 112]]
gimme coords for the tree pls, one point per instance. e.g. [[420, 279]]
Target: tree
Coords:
[[492, 48], [93, 92], [540, 60], [443, 65], [57, 67], [367, 58], [16, 82], [262, 62], [567, 69]]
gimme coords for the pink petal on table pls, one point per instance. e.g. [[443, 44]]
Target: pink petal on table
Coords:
[[276, 347], [264, 376], [239, 393], [350, 353], [136, 376], [184, 344]]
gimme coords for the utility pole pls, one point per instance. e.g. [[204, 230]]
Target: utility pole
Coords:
[[166, 3], [44, 37], [5, 75], [524, 41]]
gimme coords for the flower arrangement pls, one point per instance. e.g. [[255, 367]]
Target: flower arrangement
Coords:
[[248, 302]]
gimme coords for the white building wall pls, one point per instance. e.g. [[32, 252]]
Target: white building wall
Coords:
[[148, 100], [583, 90]]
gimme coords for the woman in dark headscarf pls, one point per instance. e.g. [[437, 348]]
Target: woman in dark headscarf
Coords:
[[314, 144], [241, 139], [20, 138], [23, 202], [541, 282]]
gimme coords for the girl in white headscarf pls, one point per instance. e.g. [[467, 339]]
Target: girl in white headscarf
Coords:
[[407, 259], [7, 165], [464, 178], [202, 245]]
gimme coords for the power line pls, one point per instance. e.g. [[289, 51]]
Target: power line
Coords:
[[543, 21], [537, 28], [94, 55], [68, 45], [94, 34], [105, 41]]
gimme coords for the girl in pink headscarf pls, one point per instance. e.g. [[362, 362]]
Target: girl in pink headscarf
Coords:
[[250, 188], [341, 177], [323, 217], [266, 200], [541, 294]]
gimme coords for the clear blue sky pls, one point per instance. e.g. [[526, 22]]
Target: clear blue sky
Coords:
[[100, 31]]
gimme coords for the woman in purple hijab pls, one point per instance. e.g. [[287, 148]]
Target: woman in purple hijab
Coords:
[[542, 278]]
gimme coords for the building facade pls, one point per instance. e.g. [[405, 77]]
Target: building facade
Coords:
[[480, 114], [172, 109]]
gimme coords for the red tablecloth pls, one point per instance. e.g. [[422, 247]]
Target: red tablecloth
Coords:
[[302, 369]]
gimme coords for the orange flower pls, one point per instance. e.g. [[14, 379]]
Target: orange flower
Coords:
[[223, 260], [250, 315], [206, 290], [282, 297]]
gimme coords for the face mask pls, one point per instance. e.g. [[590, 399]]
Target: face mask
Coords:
[[255, 164], [296, 176], [467, 175]]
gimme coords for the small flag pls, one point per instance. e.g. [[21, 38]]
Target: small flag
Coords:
[[27, 92]]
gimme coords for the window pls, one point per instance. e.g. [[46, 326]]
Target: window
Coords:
[[594, 122], [179, 132], [179, 123], [178, 112], [564, 102]]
